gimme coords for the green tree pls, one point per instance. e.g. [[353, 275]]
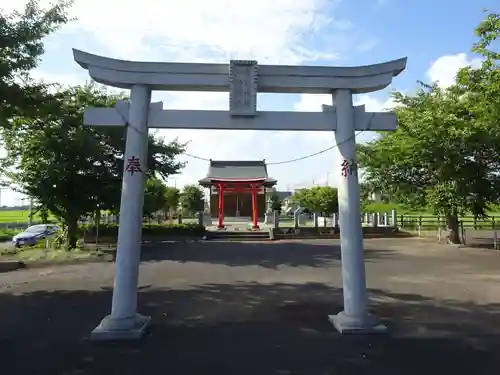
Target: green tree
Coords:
[[365, 191], [275, 203], [21, 47], [172, 196], [154, 196], [299, 197], [482, 86], [446, 152], [43, 212], [71, 169], [319, 199], [191, 199], [322, 200]]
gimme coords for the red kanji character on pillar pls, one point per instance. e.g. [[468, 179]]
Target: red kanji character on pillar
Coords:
[[133, 165], [348, 168]]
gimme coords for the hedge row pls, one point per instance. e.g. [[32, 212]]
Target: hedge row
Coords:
[[150, 230], [7, 234], [111, 230]]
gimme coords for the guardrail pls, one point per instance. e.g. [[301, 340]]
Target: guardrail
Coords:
[[481, 232], [435, 221], [380, 219], [478, 232]]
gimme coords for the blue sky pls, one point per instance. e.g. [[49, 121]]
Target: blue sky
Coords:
[[435, 36]]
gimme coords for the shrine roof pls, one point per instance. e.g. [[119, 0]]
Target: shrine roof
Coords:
[[237, 171]]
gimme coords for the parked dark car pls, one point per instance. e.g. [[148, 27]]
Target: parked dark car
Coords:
[[33, 234]]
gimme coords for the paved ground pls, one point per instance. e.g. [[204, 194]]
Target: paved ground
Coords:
[[482, 238], [260, 308]]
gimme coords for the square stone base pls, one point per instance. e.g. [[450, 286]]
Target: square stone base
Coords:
[[349, 326], [111, 329]]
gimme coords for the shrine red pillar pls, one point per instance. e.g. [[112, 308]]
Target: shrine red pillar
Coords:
[[221, 206], [255, 224]]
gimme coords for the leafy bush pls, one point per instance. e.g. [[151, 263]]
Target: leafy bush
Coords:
[[7, 234], [152, 230]]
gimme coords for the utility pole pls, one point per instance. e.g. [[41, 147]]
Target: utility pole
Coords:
[[30, 215], [1, 191]]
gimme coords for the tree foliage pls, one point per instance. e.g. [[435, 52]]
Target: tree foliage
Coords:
[[172, 196], [275, 203], [154, 196], [445, 153], [192, 199], [365, 191], [299, 197], [71, 169], [21, 47], [319, 199]]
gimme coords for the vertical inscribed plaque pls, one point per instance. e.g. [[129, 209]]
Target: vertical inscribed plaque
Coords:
[[243, 75]]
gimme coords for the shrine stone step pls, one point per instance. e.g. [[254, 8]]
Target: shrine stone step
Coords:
[[238, 235]]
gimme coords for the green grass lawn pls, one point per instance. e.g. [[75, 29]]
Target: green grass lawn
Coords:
[[16, 216]]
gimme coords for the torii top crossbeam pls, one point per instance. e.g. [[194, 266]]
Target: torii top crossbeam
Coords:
[[242, 79], [214, 77]]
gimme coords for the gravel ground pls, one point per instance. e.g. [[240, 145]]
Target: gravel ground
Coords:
[[260, 308]]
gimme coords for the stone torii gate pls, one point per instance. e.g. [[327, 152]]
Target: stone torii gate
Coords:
[[243, 79]]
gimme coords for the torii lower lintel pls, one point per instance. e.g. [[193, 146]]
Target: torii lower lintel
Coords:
[[222, 120], [117, 116]]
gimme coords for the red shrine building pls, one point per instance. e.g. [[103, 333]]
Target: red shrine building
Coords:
[[237, 188]]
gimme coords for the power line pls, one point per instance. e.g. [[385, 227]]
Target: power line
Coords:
[[195, 157], [290, 160]]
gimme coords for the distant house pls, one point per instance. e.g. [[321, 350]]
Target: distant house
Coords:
[[282, 195]]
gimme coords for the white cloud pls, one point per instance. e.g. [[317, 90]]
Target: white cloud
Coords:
[[375, 105], [60, 78], [445, 68], [191, 30], [313, 103]]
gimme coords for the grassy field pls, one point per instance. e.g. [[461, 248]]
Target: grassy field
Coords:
[[16, 216]]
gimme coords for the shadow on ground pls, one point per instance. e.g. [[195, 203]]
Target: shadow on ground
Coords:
[[265, 254], [245, 329]]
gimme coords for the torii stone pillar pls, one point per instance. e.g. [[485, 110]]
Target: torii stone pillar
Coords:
[[355, 317], [243, 79], [124, 322]]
